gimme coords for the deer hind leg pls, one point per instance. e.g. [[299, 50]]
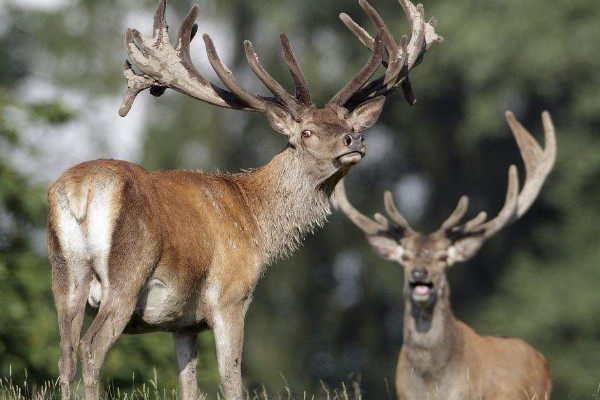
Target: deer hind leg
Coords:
[[115, 311], [70, 282], [119, 299], [122, 268]]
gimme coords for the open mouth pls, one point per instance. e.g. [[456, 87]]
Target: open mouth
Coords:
[[421, 291], [351, 158]]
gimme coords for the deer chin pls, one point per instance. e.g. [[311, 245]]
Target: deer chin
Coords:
[[350, 158]]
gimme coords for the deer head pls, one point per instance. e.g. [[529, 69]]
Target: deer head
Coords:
[[425, 258], [329, 138]]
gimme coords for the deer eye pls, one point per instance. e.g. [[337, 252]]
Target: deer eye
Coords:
[[306, 134], [443, 258], [405, 257]]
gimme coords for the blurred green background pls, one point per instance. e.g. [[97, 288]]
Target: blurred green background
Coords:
[[333, 311]]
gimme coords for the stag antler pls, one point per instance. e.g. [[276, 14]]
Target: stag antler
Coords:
[[538, 164], [399, 59], [164, 66]]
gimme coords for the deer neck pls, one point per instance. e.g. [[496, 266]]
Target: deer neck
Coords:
[[287, 202], [432, 338]]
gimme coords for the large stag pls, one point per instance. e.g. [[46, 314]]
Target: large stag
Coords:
[[182, 251], [442, 358]]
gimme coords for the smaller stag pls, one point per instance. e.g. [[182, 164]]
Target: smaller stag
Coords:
[[442, 358]]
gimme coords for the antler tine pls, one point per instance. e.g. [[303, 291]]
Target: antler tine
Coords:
[[382, 220], [417, 44], [417, 12], [390, 44], [365, 38], [227, 78], [135, 85], [186, 34], [363, 75], [184, 37], [359, 31], [392, 210], [302, 89], [287, 99], [478, 220], [366, 224], [538, 162], [160, 21], [455, 216], [508, 213]]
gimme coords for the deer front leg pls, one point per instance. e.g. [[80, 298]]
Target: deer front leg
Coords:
[[228, 326], [187, 360]]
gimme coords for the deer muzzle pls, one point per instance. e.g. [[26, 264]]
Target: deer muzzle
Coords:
[[355, 148]]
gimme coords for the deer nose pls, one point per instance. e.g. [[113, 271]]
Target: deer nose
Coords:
[[353, 141], [419, 274]]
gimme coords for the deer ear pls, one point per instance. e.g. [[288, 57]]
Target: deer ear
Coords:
[[464, 249], [385, 247], [280, 119], [365, 115]]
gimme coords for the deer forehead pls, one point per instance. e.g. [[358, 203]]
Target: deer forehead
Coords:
[[426, 246], [326, 119]]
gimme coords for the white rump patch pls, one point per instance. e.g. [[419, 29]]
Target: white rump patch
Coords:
[[91, 246], [99, 228], [74, 246]]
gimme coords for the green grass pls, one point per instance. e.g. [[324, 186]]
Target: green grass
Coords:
[[23, 389], [13, 389]]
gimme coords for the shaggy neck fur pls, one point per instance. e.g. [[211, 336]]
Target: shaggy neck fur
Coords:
[[430, 351], [287, 202]]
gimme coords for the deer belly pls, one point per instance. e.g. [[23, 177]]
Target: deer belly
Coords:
[[160, 304]]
